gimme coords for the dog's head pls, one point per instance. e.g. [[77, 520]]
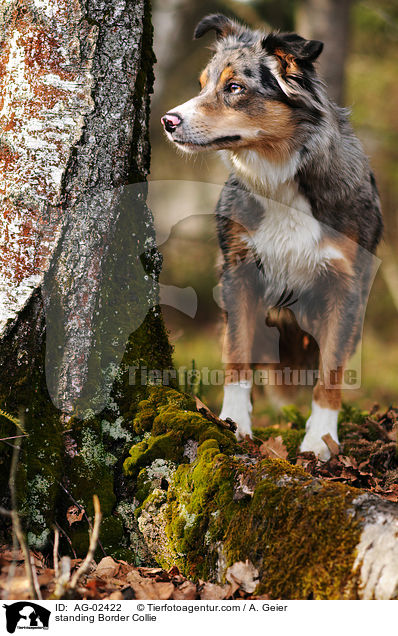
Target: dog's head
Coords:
[[255, 92]]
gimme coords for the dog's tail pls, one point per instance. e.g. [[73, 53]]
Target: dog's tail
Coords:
[[298, 355]]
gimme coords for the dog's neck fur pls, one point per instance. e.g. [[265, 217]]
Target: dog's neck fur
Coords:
[[260, 175]]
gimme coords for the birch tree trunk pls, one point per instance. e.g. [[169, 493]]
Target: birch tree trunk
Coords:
[[78, 260]]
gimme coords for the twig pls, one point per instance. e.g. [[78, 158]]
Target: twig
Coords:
[[84, 513], [91, 548], [13, 566], [4, 439], [55, 552], [16, 525], [63, 578], [67, 537], [35, 580]]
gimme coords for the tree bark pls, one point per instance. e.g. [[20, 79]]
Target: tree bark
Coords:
[[328, 21], [78, 260]]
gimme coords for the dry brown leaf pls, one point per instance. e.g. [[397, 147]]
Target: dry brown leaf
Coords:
[[150, 590], [134, 577], [12, 555], [274, 447], [243, 574], [150, 571], [333, 446], [107, 568], [92, 588], [349, 462], [74, 514], [212, 592], [185, 592], [163, 591]]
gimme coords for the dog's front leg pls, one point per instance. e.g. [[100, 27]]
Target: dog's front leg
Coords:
[[336, 343], [240, 304]]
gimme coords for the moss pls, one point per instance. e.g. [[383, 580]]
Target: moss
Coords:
[[301, 525], [293, 415], [172, 419], [296, 530], [157, 475], [350, 413]]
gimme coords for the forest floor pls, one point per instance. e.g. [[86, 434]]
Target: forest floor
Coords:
[[366, 459]]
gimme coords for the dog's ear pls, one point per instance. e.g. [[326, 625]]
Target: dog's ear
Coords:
[[291, 50], [222, 25]]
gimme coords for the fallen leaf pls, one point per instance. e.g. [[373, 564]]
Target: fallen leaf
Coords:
[[243, 574], [212, 592], [349, 462], [274, 447], [150, 571], [46, 577], [92, 587], [134, 577], [185, 592], [147, 590], [12, 555], [74, 514], [107, 568]]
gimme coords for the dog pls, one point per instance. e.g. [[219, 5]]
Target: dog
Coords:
[[298, 219]]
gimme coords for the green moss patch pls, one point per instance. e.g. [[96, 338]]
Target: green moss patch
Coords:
[[296, 530], [170, 419], [224, 506]]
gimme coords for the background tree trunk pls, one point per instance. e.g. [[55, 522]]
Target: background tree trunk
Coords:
[[328, 21], [78, 259]]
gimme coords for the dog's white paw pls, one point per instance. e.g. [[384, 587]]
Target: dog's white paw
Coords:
[[237, 406], [321, 422]]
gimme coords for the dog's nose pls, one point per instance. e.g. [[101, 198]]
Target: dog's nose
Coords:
[[170, 121]]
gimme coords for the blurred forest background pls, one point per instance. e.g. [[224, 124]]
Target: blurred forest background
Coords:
[[360, 66]]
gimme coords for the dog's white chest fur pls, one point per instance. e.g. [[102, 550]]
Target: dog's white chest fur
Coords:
[[288, 240]]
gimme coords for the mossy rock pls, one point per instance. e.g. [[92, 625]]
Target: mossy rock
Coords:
[[295, 529], [222, 506]]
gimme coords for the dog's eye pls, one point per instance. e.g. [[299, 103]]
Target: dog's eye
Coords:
[[235, 88]]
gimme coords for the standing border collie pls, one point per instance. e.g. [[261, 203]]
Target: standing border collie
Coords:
[[298, 219]]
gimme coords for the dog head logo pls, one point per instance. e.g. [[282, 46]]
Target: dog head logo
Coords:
[[26, 615]]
